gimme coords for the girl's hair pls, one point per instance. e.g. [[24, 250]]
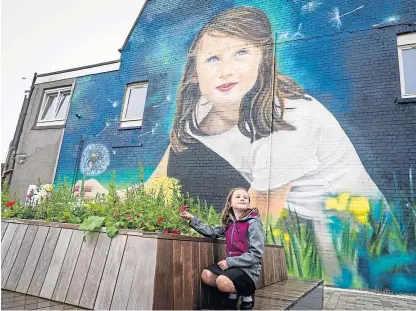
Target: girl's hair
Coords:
[[228, 209], [259, 113]]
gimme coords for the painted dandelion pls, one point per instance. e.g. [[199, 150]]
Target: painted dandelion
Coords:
[[310, 6], [335, 17], [94, 160]]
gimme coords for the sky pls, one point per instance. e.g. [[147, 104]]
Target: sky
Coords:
[[50, 35]]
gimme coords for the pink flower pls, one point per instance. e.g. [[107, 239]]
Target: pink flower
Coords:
[[128, 217], [160, 219], [176, 231], [166, 231]]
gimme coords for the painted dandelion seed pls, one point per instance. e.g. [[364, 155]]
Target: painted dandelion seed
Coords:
[[299, 34], [94, 160], [335, 17], [113, 103], [388, 21], [310, 6]]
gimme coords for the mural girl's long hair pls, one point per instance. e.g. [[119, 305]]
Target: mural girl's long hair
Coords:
[[260, 114]]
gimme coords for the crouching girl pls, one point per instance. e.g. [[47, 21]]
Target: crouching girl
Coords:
[[238, 273]]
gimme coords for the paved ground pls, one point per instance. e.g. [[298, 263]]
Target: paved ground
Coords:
[[334, 299], [17, 301]]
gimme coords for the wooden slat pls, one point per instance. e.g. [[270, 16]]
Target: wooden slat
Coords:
[[126, 273], [68, 266], [142, 288], [56, 264], [206, 258], [178, 288], [163, 287], [12, 253], [7, 240], [196, 276], [32, 260], [44, 261], [3, 228], [92, 283], [21, 258], [189, 297], [81, 269], [109, 278]]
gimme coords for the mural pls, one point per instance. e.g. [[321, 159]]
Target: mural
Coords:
[[238, 97]]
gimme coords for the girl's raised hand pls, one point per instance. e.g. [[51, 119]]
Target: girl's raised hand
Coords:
[[186, 215]]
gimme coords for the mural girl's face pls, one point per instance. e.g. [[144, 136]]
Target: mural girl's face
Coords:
[[226, 68]]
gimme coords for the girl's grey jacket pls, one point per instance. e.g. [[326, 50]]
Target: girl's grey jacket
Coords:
[[245, 240]]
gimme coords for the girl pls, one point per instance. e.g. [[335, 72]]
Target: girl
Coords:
[[240, 270]]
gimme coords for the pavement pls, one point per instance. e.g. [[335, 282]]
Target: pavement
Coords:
[[339, 299], [334, 299]]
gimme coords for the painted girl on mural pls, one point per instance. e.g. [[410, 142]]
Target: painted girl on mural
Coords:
[[240, 123]]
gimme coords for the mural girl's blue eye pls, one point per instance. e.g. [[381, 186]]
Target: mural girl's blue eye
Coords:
[[213, 59], [241, 53]]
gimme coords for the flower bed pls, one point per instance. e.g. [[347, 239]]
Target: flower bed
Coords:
[[155, 208]]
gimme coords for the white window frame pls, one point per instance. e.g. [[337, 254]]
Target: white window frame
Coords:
[[124, 122], [46, 94], [405, 42]]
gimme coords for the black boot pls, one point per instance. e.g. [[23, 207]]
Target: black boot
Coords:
[[247, 305]]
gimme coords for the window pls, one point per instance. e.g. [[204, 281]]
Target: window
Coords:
[[54, 107], [407, 62], [133, 107]]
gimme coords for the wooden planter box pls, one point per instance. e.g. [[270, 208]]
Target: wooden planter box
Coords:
[[135, 270]]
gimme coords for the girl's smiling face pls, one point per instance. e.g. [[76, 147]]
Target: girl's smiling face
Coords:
[[226, 68], [240, 200]]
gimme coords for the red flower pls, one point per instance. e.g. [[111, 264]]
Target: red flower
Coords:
[[140, 215], [128, 217], [160, 219], [183, 208], [166, 231], [176, 231], [10, 203]]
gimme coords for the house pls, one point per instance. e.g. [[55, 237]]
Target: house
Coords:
[[308, 104]]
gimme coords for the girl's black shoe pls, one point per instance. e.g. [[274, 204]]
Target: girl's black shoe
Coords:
[[247, 305], [231, 304]]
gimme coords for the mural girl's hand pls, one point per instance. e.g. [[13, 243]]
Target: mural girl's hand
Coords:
[[186, 215], [92, 187]]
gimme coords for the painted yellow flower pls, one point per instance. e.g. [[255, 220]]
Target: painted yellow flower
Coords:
[[360, 207], [284, 213], [339, 204], [168, 186], [277, 232], [286, 237], [48, 187]]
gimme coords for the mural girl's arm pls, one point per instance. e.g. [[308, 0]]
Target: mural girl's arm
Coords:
[[274, 201]]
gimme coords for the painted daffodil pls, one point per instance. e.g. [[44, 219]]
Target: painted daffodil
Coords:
[[339, 203]]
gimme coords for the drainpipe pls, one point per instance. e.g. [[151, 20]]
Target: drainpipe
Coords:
[[11, 155]]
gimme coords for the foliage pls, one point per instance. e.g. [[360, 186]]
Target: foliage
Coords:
[[150, 207]]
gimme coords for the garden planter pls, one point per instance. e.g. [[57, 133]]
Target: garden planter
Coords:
[[135, 270]]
